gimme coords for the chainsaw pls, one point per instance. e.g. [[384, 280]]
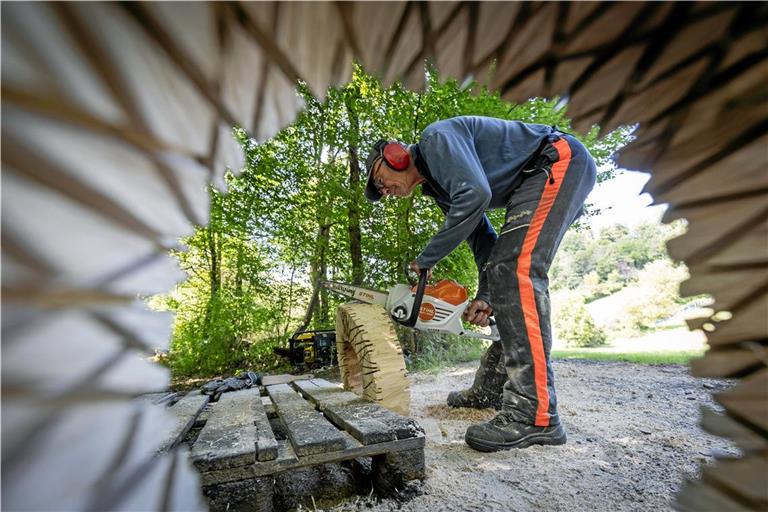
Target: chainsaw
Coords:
[[437, 307]]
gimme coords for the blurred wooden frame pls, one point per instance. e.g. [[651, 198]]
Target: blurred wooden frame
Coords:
[[116, 116]]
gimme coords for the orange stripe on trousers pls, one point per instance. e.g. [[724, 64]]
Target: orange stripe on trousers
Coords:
[[527, 297]]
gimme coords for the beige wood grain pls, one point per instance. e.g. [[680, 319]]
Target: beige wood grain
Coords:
[[726, 363], [370, 356], [126, 101], [722, 425]]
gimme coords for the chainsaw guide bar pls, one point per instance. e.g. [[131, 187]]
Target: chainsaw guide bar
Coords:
[[438, 307]]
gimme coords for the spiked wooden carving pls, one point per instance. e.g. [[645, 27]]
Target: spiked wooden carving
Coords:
[[115, 116], [370, 356]]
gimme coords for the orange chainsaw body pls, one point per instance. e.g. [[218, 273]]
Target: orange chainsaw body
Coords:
[[446, 290]]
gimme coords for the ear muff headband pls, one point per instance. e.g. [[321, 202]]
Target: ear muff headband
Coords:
[[396, 156]]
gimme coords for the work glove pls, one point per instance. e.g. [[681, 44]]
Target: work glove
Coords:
[[218, 386]]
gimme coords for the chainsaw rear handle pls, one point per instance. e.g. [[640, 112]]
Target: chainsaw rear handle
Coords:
[[411, 321]]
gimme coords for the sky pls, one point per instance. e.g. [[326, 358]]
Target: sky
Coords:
[[621, 202]]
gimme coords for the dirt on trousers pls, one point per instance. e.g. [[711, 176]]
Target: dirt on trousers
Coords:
[[633, 437]]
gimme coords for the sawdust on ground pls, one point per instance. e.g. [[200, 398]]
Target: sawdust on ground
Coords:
[[443, 412], [633, 438]]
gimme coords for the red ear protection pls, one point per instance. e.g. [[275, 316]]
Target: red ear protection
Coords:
[[396, 156]]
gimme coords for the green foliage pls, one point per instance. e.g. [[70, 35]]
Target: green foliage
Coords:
[[600, 264], [630, 261], [655, 297], [440, 350], [574, 324], [227, 296], [297, 215]]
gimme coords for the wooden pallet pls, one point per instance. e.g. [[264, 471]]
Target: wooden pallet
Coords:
[[251, 436]]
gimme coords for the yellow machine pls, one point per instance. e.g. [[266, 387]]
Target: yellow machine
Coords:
[[310, 349]]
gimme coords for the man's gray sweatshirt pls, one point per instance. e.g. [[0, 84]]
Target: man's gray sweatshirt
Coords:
[[473, 164]]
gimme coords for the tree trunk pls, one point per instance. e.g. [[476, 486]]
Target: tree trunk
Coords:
[[239, 275], [323, 276], [408, 230], [215, 273], [318, 272], [289, 305], [353, 207]]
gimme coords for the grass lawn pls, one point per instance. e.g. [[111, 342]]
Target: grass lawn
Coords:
[[645, 357], [668, 346]]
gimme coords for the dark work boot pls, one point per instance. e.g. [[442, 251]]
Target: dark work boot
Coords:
[[477, 398], [503, 433], [489, 382]]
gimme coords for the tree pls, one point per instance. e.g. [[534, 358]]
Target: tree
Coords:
[[297, 216], [573, 323]]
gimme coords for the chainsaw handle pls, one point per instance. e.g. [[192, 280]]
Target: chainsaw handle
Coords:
[[416, 309]]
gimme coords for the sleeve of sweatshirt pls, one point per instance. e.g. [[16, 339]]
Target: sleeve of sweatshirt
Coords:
[[481, 242], [454, 165]]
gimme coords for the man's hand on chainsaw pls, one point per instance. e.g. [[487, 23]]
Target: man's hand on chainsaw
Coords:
[[416, 268], [477, 313]]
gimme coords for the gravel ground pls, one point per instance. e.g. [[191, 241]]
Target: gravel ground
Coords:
[[633, 437]]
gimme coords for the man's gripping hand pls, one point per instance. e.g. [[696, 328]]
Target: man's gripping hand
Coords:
[[416, 268], [477, 313]]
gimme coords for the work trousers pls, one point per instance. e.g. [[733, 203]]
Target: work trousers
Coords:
[[539, 212]]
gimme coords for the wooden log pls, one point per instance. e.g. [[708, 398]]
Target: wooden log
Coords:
[[748, 401], [724, 426], [747, 246], [308, 431], [709, 229], [742, 169], [703, 115], [751, 411], [602, 29], [698, 497], [580, 13], [439, 12], [370, 356], [599, 89], [495, 18], [750, 42], [405, 47], [700, 143], [151, 78], [646, 104], [725, 363], [373, 46], [753, 386], [746, 478], [534, 39], [641, 152], [688, 41], [452, 43], [728, 288], [566, 72], [748, 323]]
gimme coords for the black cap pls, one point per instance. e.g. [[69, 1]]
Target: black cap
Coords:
[[371, 192]]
